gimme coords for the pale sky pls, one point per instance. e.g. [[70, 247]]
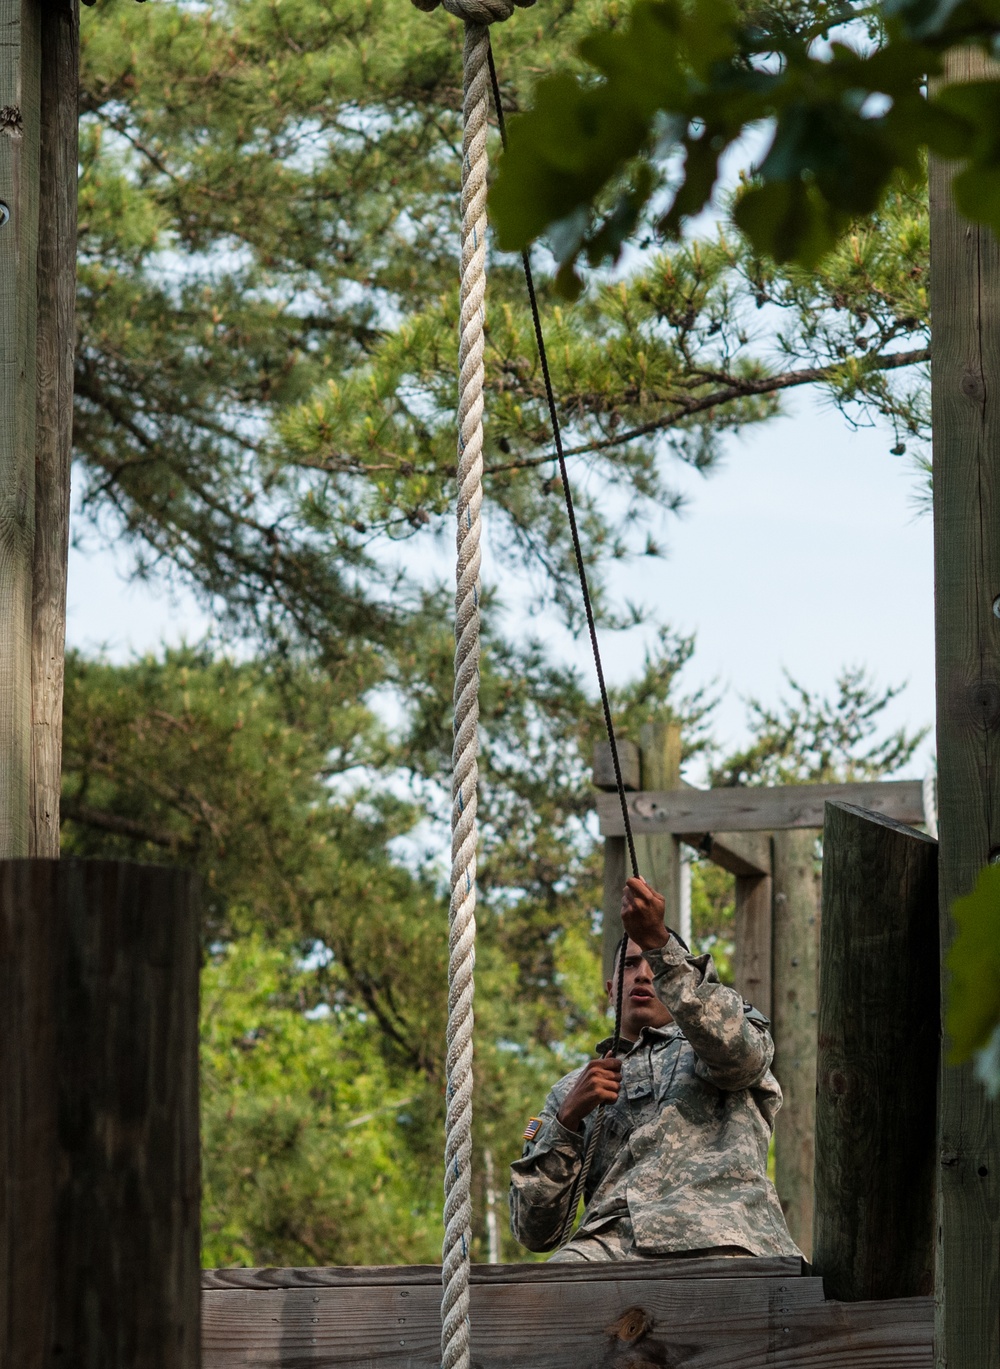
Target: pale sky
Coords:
[[803, 552]]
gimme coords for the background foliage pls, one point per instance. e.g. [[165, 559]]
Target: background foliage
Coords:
[[841, 90]]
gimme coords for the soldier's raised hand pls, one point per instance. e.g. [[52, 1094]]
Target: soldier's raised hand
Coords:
[[599, 1083], [642, 914]]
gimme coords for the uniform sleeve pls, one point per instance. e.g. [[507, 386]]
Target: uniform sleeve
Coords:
[[734, 1051], [541, 1182]]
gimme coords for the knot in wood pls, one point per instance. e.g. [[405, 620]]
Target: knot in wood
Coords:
[[973, 386], [984, 703], [633, 1323]]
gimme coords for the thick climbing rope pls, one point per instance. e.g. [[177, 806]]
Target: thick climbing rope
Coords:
[[455, 1337], [478, 71]]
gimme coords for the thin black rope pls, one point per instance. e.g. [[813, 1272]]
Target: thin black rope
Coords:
[[577, 552]]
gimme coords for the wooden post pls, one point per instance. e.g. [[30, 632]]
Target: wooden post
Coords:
[[879, 1031], [752, 936], [793, 1025], [965, 399], [654, 765], [616, 872], [19, 141], [615, 852], [60, 60], [659, 856], [99, 1205]]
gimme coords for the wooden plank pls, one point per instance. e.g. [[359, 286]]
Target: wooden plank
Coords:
[[752, 938], [965, 402], [879, 1030], [99, 1205], [795, 1004], [741, 853], [756, 809], [56, 338], [895, 1334], [413, 1275], [752, 1323], [19, 138], [535, 1326]]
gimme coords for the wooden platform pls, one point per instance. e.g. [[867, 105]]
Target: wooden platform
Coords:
[[707, 1313]]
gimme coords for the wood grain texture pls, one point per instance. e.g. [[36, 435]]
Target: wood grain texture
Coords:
[[55, 341], [795, 1007], [879, 1030], [99, 1208], [752, 940], [19, 141], [756, 809], [965, 400], [751, 1323], [781, 1267]]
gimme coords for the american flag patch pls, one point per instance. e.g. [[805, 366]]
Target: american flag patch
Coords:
[[531, 1129]]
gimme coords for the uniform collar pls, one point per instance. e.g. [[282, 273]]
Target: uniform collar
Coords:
[[667, 1033]]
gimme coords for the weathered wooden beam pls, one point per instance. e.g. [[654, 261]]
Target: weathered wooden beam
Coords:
[[879, 1029], [20, 59], [756, 809], [965, 404], [741, 853], [604, 766], [56, 338], [794, 1009], [99, 1203], [547, 1318], [752, 938], [411, 1275]]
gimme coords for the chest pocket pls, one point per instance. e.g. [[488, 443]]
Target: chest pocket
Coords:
[[674, 1071], [615, 1130]]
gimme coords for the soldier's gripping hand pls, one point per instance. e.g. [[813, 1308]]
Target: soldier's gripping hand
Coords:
[[642, 914], [599, 1083]]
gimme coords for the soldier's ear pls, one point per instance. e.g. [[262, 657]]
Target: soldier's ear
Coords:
[[608, 987]]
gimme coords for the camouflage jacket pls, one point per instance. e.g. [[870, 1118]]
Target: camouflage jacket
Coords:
[[683, 1151]]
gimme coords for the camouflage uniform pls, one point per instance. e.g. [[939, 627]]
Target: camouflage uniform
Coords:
[[681, 1164]]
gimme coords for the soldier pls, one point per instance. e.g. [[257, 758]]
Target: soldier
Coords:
[[680, 1166]]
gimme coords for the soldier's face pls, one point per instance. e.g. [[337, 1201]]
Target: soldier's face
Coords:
[[640, 1005]]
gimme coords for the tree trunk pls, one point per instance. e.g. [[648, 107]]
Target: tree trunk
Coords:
[[60, 59]]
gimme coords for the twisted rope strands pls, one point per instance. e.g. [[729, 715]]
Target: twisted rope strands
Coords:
[[455, 1351]]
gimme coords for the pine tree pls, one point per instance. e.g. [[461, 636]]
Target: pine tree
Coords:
[[268, 295]]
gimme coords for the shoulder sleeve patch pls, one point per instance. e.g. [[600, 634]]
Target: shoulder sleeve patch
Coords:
[[531, 1130]]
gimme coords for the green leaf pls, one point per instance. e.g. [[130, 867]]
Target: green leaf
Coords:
[[789, 221], [974, 961]]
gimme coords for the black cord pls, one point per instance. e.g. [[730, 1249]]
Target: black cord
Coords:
[[577, 550]]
